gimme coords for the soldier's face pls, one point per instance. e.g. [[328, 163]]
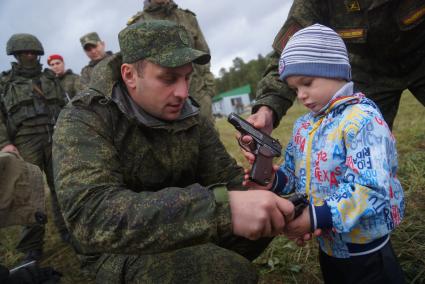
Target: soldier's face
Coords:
[[314, 92], [95, 52], [57, 66], [162, 91], [27, 58]]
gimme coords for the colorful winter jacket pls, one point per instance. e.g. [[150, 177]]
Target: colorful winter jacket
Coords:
[[344, 157]]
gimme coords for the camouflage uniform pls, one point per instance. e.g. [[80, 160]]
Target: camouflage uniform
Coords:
[[22, 192], [202, 86], [138, 193], [386, 44], [70, 82], [90, 38], [88, 69], [30, 102]]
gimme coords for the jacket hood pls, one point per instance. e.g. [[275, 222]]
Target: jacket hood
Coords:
[[342, 98]]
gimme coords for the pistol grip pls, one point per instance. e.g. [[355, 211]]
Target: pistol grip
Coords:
[[261, 171]]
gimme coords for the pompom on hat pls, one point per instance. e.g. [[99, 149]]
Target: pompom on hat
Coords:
[[54, 57], [316, 51]]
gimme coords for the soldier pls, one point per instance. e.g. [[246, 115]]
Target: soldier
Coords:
[[144, 180], [22, 203], [69, 81], [30, 102], [94, 48], [202, 86], [386, 45]]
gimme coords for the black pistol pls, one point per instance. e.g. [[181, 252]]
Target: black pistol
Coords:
[[300, 202], [264, 147]]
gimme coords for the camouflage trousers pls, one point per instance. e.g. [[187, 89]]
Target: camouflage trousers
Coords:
[[386, 91], [37, 150], [229, 262]]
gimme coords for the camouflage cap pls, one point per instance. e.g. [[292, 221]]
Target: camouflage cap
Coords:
[[162, 42], [90, 38]]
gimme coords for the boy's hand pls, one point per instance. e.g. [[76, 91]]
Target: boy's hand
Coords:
[[302, 241], [299, 227]]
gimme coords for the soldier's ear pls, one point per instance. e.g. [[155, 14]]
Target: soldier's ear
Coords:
[[129, 75]]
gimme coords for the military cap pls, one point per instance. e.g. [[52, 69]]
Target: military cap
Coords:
[[90, 38], [162, 42]]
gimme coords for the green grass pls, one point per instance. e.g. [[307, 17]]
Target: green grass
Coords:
[[283, 262]]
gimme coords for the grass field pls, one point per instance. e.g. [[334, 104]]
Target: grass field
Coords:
[[284, 262]]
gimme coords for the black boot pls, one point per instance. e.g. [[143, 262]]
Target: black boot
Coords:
[[33, 255]]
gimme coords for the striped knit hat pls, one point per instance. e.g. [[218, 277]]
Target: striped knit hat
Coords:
[[315, 51]]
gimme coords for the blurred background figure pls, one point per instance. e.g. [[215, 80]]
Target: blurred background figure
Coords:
[[30, 102], [69, 81], [202, 86], [94, 48]]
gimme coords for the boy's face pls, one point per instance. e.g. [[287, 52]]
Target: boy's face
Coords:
[[314, 92]]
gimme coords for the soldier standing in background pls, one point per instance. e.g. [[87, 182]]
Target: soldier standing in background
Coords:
[[202, 86], [386, 45], [69, 81], [94, 48], [22, 203], [145, 183], [30, 102]]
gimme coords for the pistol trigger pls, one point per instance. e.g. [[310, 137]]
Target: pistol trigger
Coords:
[[246, 146]]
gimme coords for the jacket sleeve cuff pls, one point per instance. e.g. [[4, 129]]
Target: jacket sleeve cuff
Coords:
[[223, 213], [221, 194], [279, 182], [320, 216]]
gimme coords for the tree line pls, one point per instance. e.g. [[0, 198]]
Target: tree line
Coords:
[[241, 73]]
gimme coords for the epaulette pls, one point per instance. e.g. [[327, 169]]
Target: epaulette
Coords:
[[190, 12], [134, 18]]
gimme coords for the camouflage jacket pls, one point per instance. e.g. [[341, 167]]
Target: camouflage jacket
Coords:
[[383, 38], [88, 69], [202, 80], [129, 183], [28, 104], [22, 191], [70, 82]]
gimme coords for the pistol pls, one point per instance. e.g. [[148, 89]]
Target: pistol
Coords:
[[263, 146], [300, 202]]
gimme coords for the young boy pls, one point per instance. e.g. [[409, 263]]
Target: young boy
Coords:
[[343, 155]]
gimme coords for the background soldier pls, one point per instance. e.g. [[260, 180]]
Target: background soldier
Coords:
[[22, 203], [69, 81], [386, 45], [202, 86], [94, 48], [144, 178], [30, 102]]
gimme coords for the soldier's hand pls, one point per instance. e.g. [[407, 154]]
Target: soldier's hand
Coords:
[[263, 120], [10, 148], [258, 213]]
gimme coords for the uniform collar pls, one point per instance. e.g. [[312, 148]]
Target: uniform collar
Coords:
[[127, 106]]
